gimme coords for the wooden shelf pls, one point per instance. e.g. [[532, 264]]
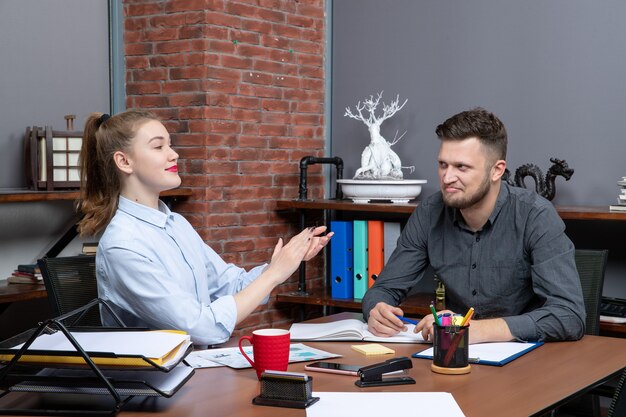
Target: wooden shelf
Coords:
[[416, 304], [20, 196], [345, 205], [566, 212], [10, 293]]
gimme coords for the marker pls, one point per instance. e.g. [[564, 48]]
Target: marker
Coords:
[[410, 321], [468, 316], [432, 309], [446, 319], [457, 319]]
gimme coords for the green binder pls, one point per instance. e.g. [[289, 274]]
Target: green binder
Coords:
[[360, 258]]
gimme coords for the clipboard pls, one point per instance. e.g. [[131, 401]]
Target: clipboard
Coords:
[[495, 354], [115, 379]]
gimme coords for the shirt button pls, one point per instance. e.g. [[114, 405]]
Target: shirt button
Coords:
[[473, 266], [474, 292], [477, 238]]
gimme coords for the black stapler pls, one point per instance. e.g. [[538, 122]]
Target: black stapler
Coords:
[[372, 375]]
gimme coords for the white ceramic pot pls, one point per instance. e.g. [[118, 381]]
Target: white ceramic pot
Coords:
[[362, 191]]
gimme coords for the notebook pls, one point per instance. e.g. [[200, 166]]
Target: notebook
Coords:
[[497, 354], [349, 330]]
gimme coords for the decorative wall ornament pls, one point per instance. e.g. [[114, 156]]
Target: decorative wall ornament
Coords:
[[543, 186], [378, 161]]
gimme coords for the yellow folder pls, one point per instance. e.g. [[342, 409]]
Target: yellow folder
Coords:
[[115, 348]]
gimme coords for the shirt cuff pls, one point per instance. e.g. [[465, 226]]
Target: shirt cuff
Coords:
[[522, 328], [225, 313]]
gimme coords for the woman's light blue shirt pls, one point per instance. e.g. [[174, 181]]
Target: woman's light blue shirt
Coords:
[[158, 273]]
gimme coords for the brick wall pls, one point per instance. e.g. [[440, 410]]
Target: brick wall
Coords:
[[240, 87]]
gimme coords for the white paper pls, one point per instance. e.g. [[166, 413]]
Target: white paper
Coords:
[[377, 404], [233, 358], [151, 344]]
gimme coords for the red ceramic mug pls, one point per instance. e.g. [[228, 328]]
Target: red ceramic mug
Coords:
[[270, 348]]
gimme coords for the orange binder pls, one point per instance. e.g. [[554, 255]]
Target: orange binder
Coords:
[[375, 250]]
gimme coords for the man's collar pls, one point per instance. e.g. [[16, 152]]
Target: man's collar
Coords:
[[145, 213], [503, 195]]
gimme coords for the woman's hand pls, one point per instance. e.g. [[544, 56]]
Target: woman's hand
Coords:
[[302, 247], [317, 242]]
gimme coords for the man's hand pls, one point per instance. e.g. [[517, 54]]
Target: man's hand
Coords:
[[482, 331], [383, 321], [426, 325]]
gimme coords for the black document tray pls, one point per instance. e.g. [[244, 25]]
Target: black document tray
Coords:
[[120, 383]]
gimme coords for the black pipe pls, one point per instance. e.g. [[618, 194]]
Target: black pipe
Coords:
[[311, 160]]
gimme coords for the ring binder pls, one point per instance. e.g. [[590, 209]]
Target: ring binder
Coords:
[[120, 382]]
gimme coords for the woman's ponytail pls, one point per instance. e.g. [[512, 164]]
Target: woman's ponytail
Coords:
[[99, 178]]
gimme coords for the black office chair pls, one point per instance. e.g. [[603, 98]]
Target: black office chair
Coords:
[[591, 265], [71, 283], [618, 404]]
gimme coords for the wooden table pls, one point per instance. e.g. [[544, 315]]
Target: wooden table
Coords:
[[531, 385]]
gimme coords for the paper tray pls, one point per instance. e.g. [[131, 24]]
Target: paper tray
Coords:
[[144, 383]]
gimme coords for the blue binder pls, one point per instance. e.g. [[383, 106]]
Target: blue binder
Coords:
[[360, 258], [341, 259]]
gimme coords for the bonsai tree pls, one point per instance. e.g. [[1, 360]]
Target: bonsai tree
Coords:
[[378, 161]]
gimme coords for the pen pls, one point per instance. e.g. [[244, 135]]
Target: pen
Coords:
[[410, 321], [432, 309], [468, 316]]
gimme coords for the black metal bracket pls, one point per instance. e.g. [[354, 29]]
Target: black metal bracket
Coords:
[[311, 160], [303, 191]]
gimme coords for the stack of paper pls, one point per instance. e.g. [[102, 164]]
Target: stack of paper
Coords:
[[117, 348]]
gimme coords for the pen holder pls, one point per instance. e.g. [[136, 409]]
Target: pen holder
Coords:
[[451, 350], [285, 389]]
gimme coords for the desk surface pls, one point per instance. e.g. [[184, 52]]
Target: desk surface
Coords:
[[535, 382]]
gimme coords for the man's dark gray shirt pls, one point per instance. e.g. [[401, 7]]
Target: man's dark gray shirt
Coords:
[[520, 266]]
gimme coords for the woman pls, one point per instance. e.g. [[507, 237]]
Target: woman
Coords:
[[151, 265]]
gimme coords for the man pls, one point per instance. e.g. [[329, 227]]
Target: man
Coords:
[[497, 248]]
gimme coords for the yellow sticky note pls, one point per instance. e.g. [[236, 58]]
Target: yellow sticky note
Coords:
[[373, 349]]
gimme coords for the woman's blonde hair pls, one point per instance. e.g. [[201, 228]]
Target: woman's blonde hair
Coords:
[[99, 176]]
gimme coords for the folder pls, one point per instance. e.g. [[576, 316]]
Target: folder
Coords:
[[341, 259], [360, 258], [375, 250], [496, 354], [391, 234], [160, 348]]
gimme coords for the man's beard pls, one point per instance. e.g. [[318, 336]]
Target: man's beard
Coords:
[[468, 200]]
